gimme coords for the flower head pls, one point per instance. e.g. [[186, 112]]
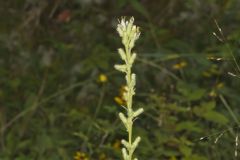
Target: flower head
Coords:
[[128, 31], [102, 78], [80, 156], [119, 100], [179, 65]]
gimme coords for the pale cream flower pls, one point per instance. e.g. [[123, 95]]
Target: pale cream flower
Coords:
[[128, 31]]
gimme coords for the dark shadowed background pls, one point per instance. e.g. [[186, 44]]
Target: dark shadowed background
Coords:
[[60, 95]]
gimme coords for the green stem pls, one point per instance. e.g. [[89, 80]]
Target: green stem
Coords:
[[229, 109], [130, 139], [129, 102]]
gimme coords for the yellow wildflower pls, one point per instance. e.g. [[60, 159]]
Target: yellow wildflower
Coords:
[[102, 78], [212, 94], [119, 100], [80, 156], [122, 90], [179, 65], [220, 85]]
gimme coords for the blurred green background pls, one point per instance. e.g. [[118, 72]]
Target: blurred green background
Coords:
[[60, 95]]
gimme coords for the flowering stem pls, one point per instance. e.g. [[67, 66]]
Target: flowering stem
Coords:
[[129, 33]]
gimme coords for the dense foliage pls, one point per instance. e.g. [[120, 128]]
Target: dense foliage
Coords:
[[60, 95]]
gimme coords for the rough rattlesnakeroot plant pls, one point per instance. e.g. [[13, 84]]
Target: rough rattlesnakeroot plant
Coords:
[[129, 34]]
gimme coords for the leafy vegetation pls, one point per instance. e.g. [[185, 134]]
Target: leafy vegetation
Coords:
[[58, 96]]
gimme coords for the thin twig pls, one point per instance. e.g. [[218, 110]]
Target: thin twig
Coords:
[[229, 109]]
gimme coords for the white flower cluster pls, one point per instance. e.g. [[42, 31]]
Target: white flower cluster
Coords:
[[128, 31]]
